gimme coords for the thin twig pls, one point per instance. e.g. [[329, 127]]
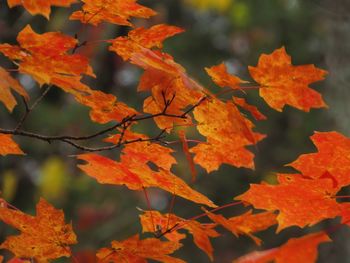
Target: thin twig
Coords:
[[29, 109], [125, 123], [194, 106]]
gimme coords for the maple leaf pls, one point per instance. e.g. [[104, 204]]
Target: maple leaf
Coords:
[[112, 11], [228, 132], [282, 83], [167, 80], [300, 201], [200, 232], [296, 250], [153, 36], [136, 47], [43, 237], [252, 109], [245, 224], [45, 57], [222, 78], [174, 97], [146, 151], [135, 250], [6, 84], [8, 145], [142, 38], [42, 7], [136, 176], [104, 107], [333, 156]]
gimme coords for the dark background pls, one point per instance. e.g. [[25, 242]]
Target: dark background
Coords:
[[235, 32]]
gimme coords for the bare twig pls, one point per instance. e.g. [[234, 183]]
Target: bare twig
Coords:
[[29, 109], [124, 123]]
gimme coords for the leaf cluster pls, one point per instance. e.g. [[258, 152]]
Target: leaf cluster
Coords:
[[178, 105]]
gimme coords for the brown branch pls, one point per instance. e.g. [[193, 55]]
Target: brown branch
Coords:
[[110, 147], [194, 106], [125, 123]]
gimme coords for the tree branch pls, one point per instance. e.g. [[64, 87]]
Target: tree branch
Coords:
[[125, 123]]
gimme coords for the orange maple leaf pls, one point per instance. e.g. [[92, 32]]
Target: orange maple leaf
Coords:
[[134, 250], [153, 36], [282, 83], [6, 84], [200, 232], [43, 237], [8, 145], [42, 7], [252, 109], [45, 57], [146, 151], [112, 11], [300, 201], [333, 157], [167, 80], [146, 38], [222, 78], [180, 98], [296, 250], [245, 224], [104, 107], [136, 47], [136, 176], [227, 131]]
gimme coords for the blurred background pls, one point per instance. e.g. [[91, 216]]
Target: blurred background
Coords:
[[232, 31]]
